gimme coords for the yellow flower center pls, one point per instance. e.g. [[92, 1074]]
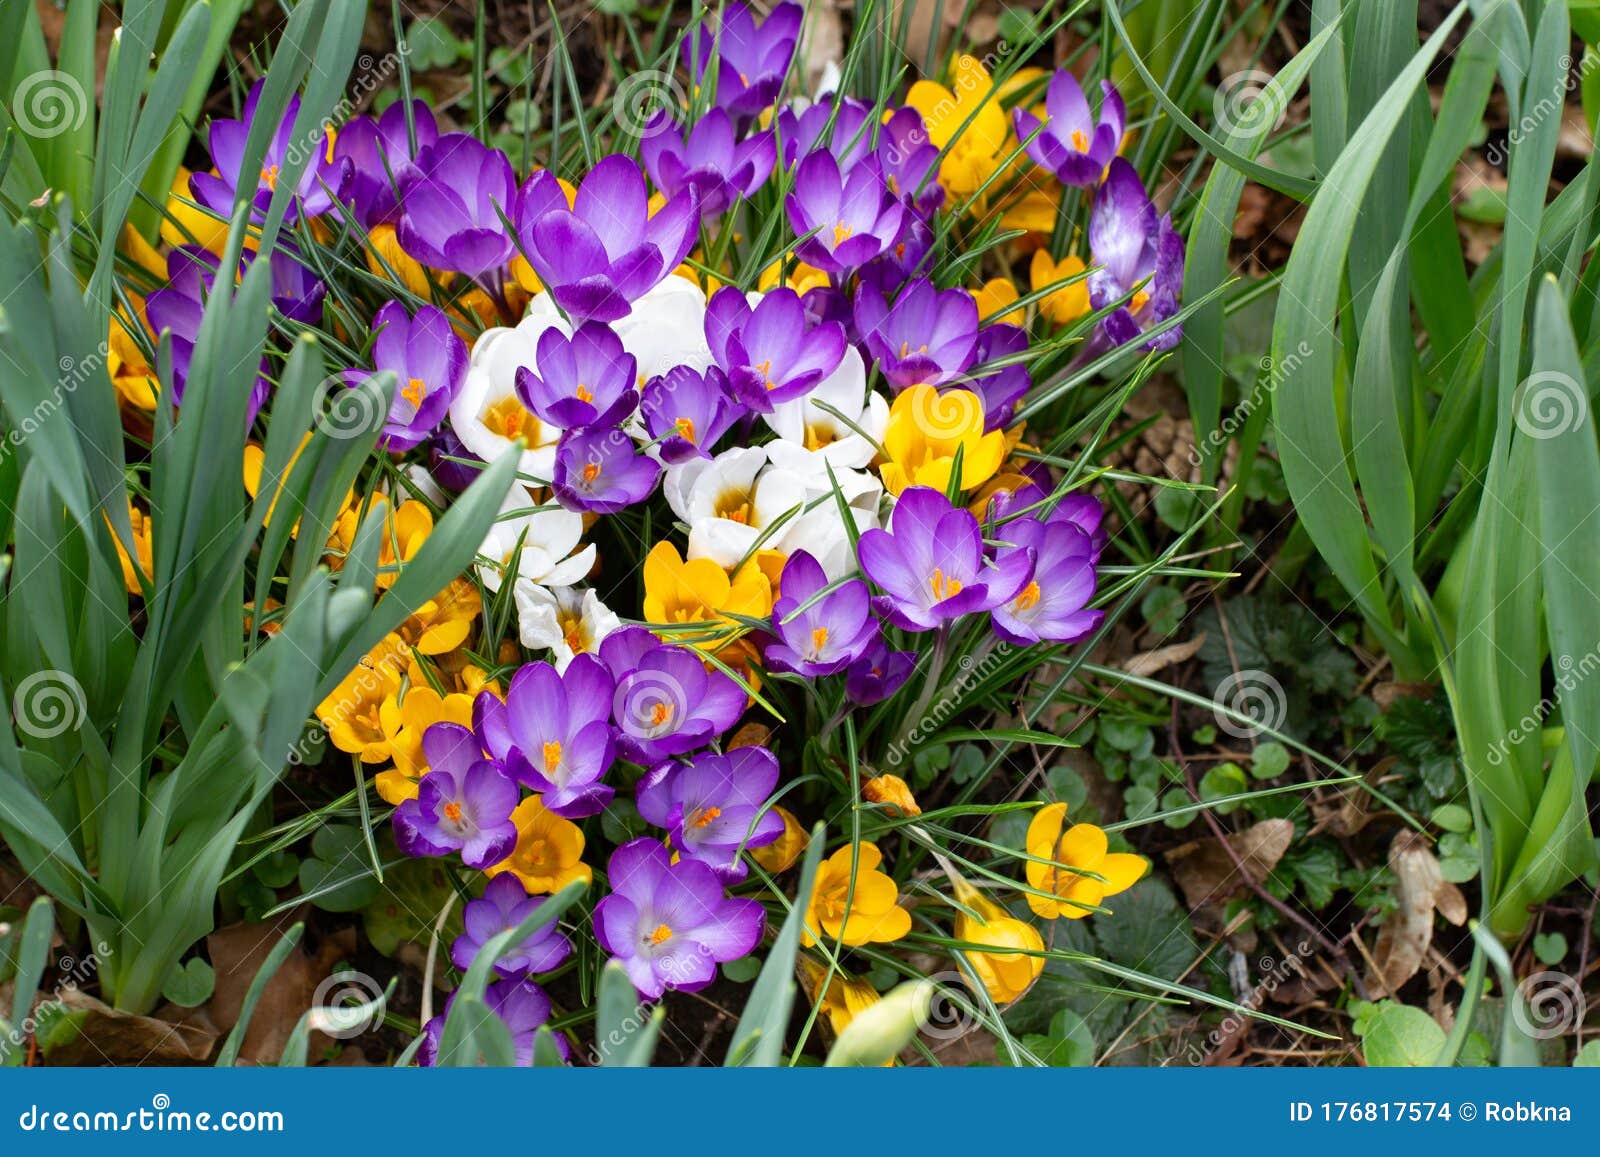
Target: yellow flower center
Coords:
[[819, 640], [583, 393], [685, 429], [704, 816], [661, 935], [660, 713], [905, 349], [765, 370], [734, 505], [1080, 140], [819, 435], [942, 587], [452, 811], [841, 233], [572, 631], [591, 471], [269, 177], [552, 757], [1140, 300], [415, 390], [509, 419], [1028, 598]]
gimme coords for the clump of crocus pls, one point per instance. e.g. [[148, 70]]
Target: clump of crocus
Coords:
[[1078, 869], [430, 362], [818, 635], [712, 806], [670, 923], [745, 62], [463, 804], [854, 903], [606, 250], [503, 906], [1071, 142], [931, 565]]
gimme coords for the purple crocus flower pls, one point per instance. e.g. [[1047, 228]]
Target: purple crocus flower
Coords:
[[1000, 388], [666, 702], [849, 141], [504, 905], [768, 352], [1051, 605], [380, 156], [878, 673], [718, 166], [892, 268], [522, 1007], [429, 360], [583, 380], [600, 471], [463, 804], [296, 292], [1134, 252], [710, 806], [670, 924], [1082, 511], [451, 201], [606, 251], [559, 729], [1072, 145], [926, 337], [322, 180], [178, 308], [851, 219], [825, 637], [451, 463], [931, 565], [910, 160], [686, 410], [751, 60]]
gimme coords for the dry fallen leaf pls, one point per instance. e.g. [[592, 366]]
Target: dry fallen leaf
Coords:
[[109, 1037], [237, 953], [1147, 663], [1419, 889], [1206, 873]]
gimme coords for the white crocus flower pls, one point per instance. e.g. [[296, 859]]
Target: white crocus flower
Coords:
[[542, 538], [568, 621], [732, 502], [487, 415], [813, 437], [819, 530]]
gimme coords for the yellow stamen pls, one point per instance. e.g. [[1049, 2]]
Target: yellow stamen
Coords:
[[584, 394], [452, 811], [1080, 140], [269, 177], [942, 587], [841, 233], [552, 757], [1140, 300], [572, 631], [819, 639], [1028, 598], [416, 389], [660, 713], [704, 816], [765, 370], [661, 935], [509, 419], [591, 471], [685, 428]]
